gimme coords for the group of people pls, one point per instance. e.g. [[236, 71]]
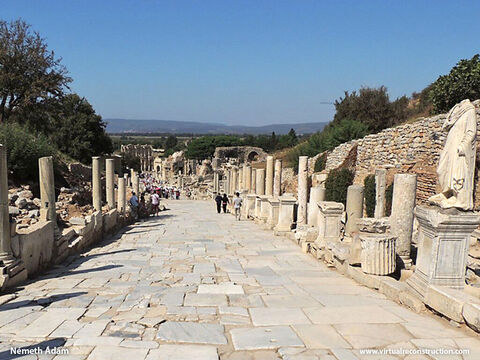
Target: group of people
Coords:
[[223, 201]]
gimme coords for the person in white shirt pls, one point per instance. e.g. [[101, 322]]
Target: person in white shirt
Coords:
[[237, 205], [155, 202]]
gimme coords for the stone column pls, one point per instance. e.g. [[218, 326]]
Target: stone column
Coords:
[[121, 202], [302, 192], [6, 256], [317, 194], [401, 220], [244, 177], [96, 184], [47, 189], [215, 182], [227, 182], [240, 179], [260, 182], [136, 185], [378, 254], [443, 249], [354, 208], [285, 214], [248, 178], [110, 182], [277, 181], [380, 187], [234, 182], [269, 177], [254, 181]]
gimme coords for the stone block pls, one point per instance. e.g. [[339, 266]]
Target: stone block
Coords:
[[378, 254], [448, 302], [471, 315]]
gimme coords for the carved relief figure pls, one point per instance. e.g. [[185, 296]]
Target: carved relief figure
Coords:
[[457, 160]]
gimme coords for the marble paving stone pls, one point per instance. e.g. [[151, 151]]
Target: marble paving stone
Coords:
[[289, 301], [351, 314], [183, 352], [188, 332], [233, 310], [116, 353], [226, 288], [277, 316], [205, 300], [264, 338], [320, 337], [363, 336]]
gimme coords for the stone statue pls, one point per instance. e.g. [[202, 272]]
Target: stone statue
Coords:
[[457, 160]]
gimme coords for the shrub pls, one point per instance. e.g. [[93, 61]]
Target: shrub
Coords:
[[463, 82], [321, 162], [369, 194], [23, 150], [337, 183]]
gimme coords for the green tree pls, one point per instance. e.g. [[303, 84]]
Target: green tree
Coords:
[[130, 161], [78, 131], [463, 82], [171, 142], [29, 72]]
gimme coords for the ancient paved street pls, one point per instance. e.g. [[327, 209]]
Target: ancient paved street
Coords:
[[192, 284]]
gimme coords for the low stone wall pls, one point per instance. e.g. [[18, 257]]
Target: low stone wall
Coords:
[[39, 248]]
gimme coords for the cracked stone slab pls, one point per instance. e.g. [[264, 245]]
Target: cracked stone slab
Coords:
[[189, 332], [183, 352], [264, 338]]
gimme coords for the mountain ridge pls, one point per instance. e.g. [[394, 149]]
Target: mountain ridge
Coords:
[[126, 126]]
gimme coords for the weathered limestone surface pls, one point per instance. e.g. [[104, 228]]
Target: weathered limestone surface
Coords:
[[442, 255], [269, 176], [96, 183], [139, 297], [286, 213], [302, 191], [317, 193], [260, 182], [378, 254], [121, 201], [47, 188], [110, 182], [380, 188], [277, 180], [401, 219], [354, 208]]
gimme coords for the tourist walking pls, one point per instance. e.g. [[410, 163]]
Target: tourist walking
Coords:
[[218, 200], [237, 205], [155, 202], [225, 202], [134, 205]]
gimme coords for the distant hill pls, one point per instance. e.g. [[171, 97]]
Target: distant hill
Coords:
[[120, 126]]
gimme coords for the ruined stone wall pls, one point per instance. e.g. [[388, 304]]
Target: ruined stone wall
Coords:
[[410, 148]]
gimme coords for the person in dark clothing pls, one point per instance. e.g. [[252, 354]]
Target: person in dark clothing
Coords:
[[225, 202], [218, 200]]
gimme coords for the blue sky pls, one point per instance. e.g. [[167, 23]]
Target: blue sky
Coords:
[[247, 62]]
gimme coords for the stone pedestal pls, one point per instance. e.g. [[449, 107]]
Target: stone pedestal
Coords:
[[302, 192], [444, 237], [272, 219], [258, 206], [269, 177], [286, 214], [401, 220], [329, 222], [234, 181], [264, 208], [380, 187], [96, 184], [317, 194], [110, 182], [277, 179], [378, 254], [250, 206], [354, 208]]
